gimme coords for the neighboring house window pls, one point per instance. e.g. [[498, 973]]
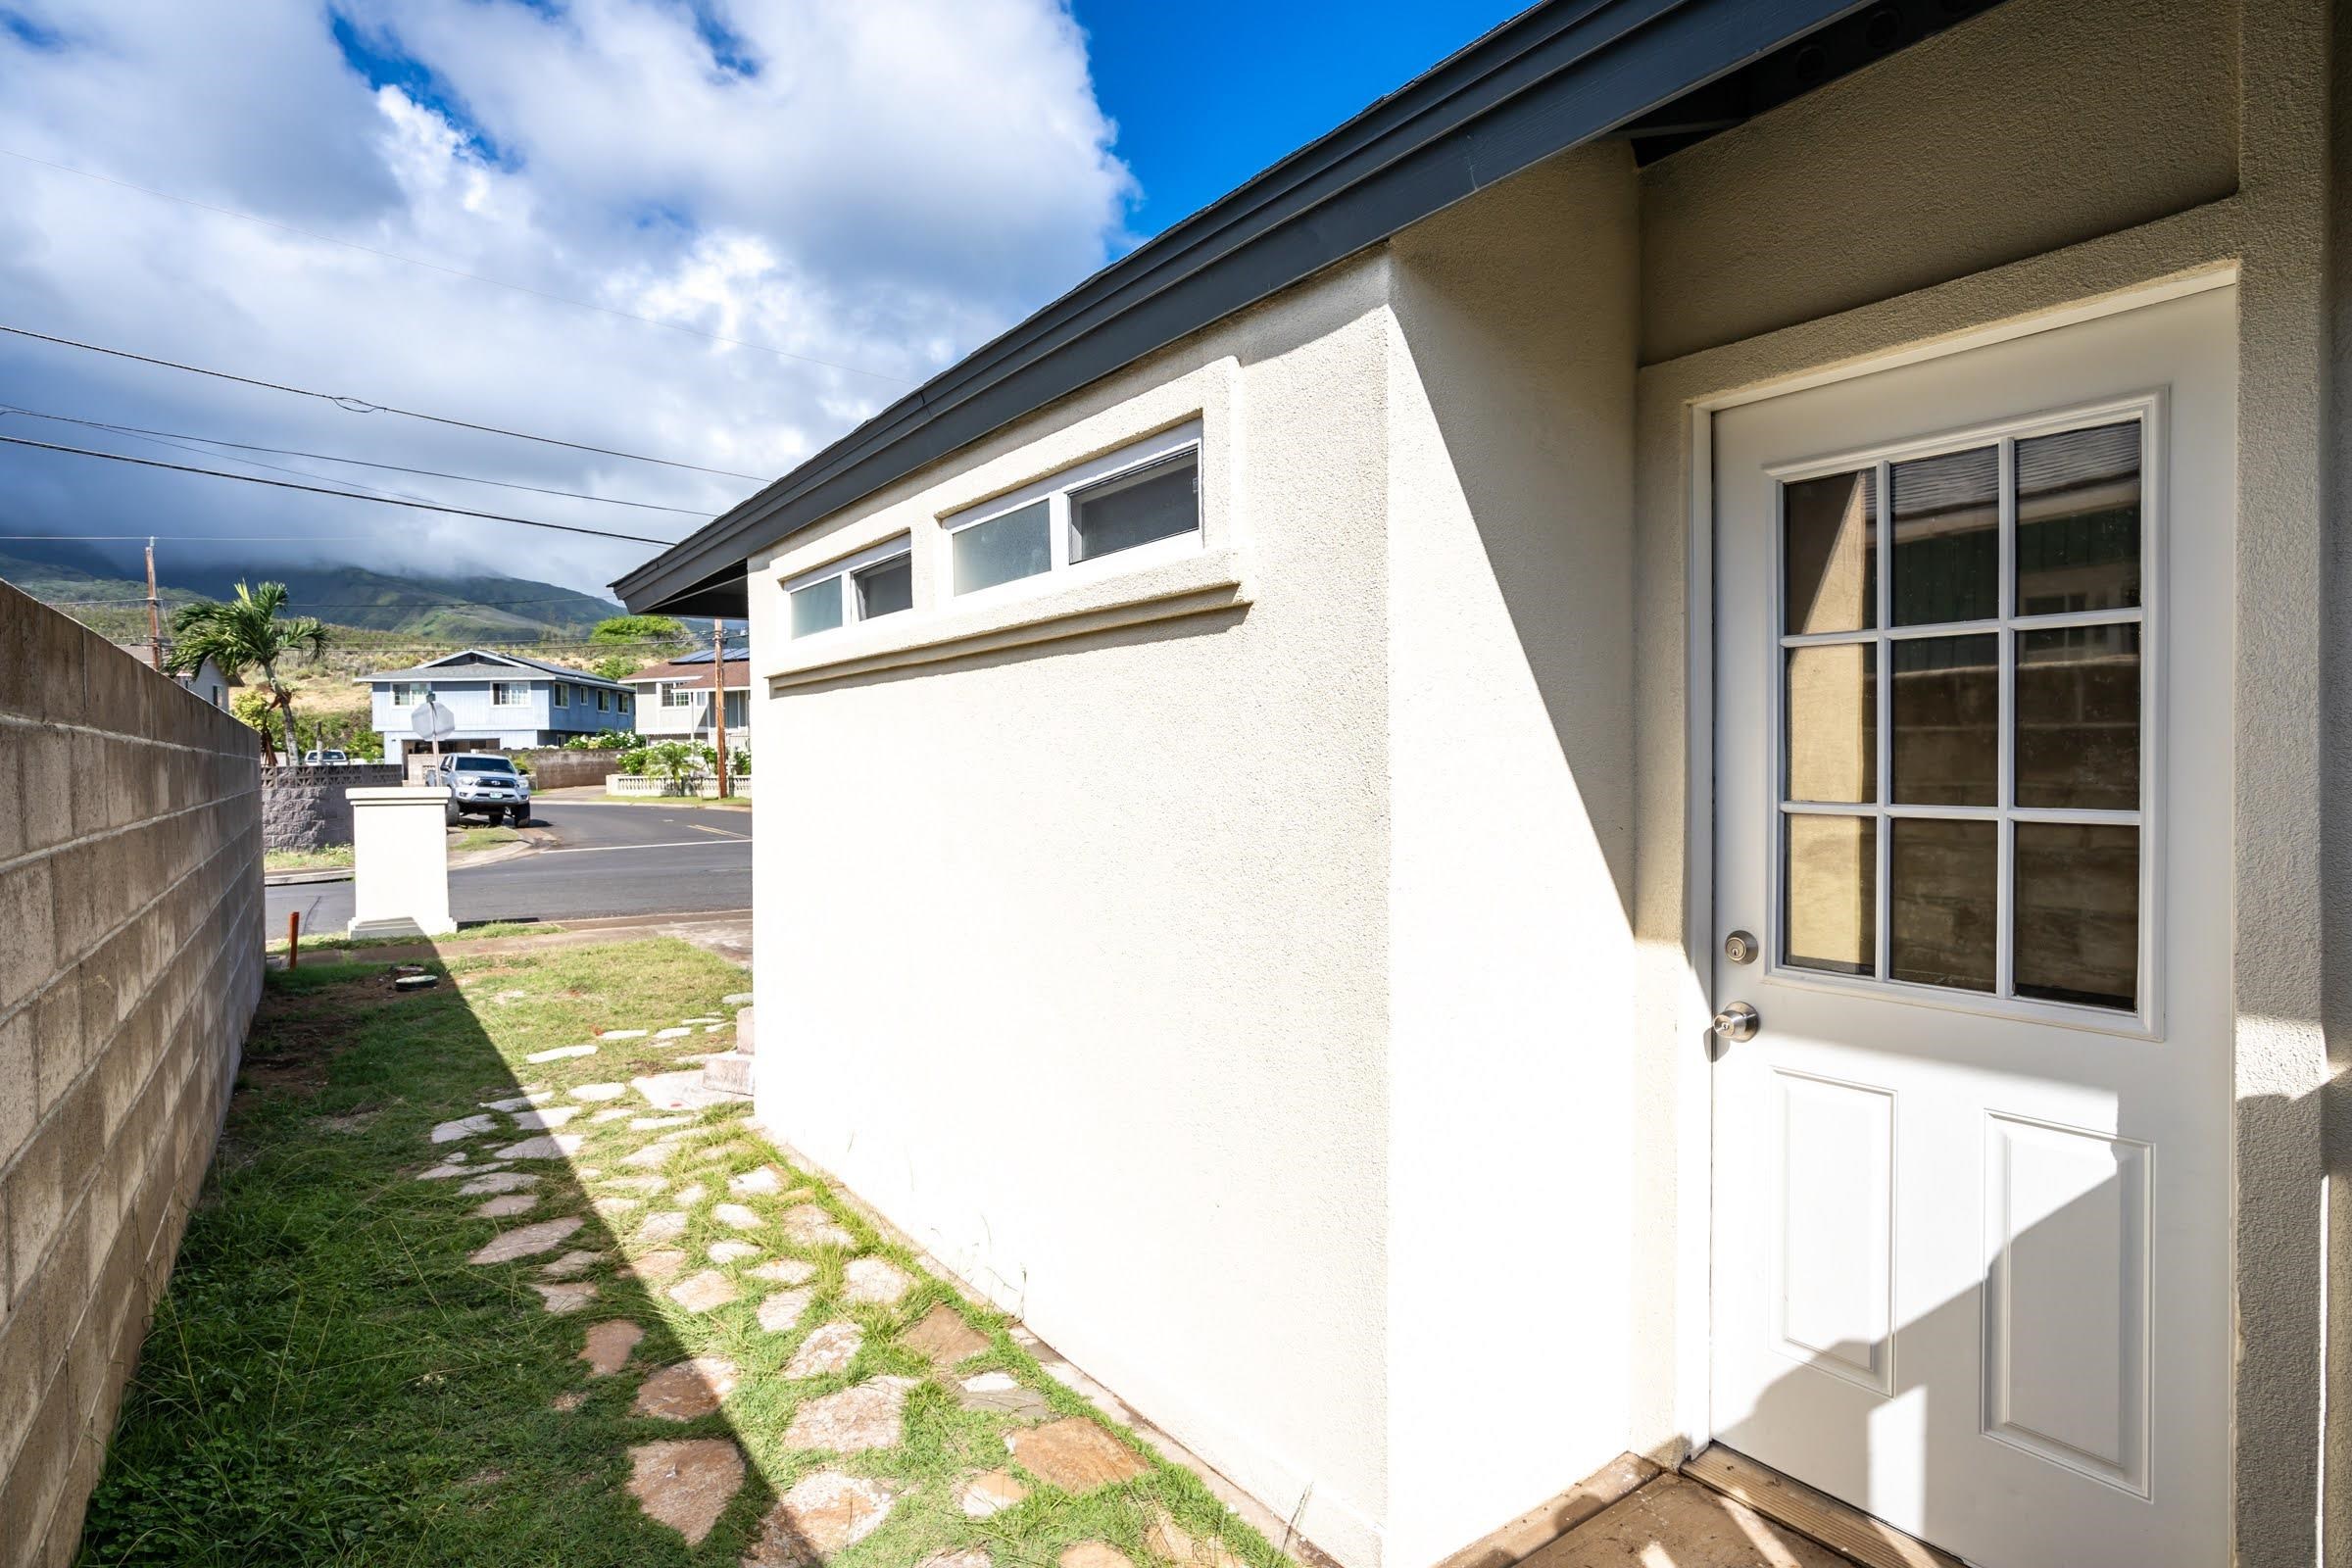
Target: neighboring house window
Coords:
[[681, 694], [407, 694], [735, 720], [622, 699], [864, 586], [510, 692], [559, 694], [599, 699], [1148, 494]]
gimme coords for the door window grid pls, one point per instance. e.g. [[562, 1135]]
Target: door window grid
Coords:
[[1878, 810]]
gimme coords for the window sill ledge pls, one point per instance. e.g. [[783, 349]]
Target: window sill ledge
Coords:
[[1195, 585]]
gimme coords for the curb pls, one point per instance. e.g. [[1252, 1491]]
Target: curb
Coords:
[[456, 863]]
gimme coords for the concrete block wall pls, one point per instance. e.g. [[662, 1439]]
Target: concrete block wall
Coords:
[[305, 809], [130, 907]]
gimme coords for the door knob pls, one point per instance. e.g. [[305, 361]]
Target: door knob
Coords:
[[1737, 1021]]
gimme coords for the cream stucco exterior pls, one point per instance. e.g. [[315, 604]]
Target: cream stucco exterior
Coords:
[[1276, 972]]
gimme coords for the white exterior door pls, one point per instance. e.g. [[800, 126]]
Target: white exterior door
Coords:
[[1973, 802]]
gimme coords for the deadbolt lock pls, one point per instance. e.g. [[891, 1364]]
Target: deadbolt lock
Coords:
[[1740, 947]]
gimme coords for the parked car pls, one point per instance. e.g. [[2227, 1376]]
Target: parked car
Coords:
[[330, 757], [484, 785]]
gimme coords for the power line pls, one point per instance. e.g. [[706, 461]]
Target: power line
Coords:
[[323, 490], [355, 405], [361, 462], [453, 272]]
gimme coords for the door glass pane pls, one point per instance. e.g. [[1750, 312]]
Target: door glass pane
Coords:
[[1942, 912], [2078, 914], [1947, 538], [816, 608], [1947, 721], [1830, 552], [1002, 549], [1157, 502], [2078, 718], [1834, 722], [1832, 921], [2077, 520]]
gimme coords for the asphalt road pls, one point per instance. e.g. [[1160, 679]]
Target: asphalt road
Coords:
[[614, 860]]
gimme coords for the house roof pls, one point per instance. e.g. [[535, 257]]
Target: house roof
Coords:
[[468, 662], [695, 668], [1565, 73], [140, 651]]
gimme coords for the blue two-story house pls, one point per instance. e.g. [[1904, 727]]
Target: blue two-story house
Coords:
[[500, 702]]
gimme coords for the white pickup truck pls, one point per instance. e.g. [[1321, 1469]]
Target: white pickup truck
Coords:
[[483, 784]]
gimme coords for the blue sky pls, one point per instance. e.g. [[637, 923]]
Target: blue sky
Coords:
[[1209, 93]]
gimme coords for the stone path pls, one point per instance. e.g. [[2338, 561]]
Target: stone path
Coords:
[[724, 1294]]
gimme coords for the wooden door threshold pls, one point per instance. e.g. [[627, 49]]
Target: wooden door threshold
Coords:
[[1845, 1530]]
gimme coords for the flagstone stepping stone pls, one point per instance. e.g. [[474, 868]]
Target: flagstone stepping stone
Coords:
[[560, 1053], [720, 1152], [785, 1271], [523, 1102], [527, 1241], [568, 1298], [687, 1391], [1167, 1541], [704, 1291], [615, 1207], [674, 1091], [638, 1184], [499, 1181], [657, 1265], [687, 1485], [619, 1034], [1095, 1554], [508, 998], [731, 1252], [452, 1166], [449, 1132], [672, 1034], [614, 1115], [830, 1350], [599, 1091], [735, 999], [737, 1216], [825, 1512], [968, 1557], [662, 1225], [1001, 1393], [692, 1194], [608, 1345], [657, 1153], [704, 1018], [569, 1264], [751, 1183], [504, 1207], [1074, 1454], [646, 1124], [992, 1491], [811, 1226], [716, 1028], [547, 1146], [781, 1312], [943, 1338], [547, 1116], [876, 1281], [866, 1415]]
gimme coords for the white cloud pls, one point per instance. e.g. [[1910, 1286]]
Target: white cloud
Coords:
[[876, 183]]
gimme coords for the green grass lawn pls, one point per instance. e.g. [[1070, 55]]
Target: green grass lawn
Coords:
[[462, 839], [472, 933], [329, 1381], [326, 859]]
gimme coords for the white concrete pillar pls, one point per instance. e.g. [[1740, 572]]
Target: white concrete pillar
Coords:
[[398, 862]]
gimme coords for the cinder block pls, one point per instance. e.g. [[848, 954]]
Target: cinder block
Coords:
[[45, 774], [18, 1075], [27, 931], [37, 1474], [60, 1049]]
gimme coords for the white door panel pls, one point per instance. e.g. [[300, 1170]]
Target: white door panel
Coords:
[[1973, 795]]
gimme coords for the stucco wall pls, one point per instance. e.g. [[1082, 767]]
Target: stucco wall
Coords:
[[2268, 225], [1510, 592], [1085, 943], [2033, 126], [130, 904]]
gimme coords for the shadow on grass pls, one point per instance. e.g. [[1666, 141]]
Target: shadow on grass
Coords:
[[330, 1380]]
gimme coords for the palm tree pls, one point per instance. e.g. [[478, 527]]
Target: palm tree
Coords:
[[243, 634]]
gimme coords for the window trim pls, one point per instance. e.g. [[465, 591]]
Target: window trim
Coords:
[[2146, 1021], [839, 572], [523, 686], [1055, 490]]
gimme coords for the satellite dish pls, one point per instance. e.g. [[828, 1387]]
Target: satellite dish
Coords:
[[431, 721]]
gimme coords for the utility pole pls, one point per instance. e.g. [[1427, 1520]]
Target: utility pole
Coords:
[[719, 698], [155, 613]]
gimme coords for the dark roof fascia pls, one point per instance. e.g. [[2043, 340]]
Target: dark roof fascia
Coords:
[[1553, 77]]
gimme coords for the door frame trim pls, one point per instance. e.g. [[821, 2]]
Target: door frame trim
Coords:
[[1693, 1406]]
